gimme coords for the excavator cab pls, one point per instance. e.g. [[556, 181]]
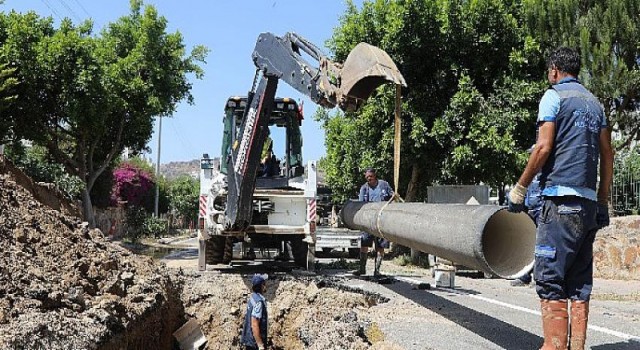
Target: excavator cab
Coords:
[[283, 143]]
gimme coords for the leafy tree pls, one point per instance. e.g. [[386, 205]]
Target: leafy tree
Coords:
[[461, 60], [38, 165], [92, 96], [7, 83], [183, 197], [606, 32]]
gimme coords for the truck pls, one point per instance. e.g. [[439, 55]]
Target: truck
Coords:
[[254, 197]]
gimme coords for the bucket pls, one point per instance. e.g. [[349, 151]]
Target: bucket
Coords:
[[444, 277]]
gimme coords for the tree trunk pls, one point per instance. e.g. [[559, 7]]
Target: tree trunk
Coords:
[[87, 208], [412, 187]]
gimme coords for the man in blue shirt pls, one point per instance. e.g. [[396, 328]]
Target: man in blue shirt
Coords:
[[573, 139], [374, 190], [254, 329]]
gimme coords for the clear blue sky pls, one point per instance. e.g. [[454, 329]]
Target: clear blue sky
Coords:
[[229, 29]]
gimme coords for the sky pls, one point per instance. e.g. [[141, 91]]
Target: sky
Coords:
[[229, 29]]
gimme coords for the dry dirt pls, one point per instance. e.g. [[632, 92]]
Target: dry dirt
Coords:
[[65, 286]]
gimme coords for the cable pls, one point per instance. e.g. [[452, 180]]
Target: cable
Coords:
[[70, 10], [83, 9], [46, 2]]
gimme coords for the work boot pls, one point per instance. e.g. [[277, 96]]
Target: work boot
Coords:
[[363, 265], [376, 272], [555, 324], [579, 318]]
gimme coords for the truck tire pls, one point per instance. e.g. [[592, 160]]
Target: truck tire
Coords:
[[302, 255], [215, 250]]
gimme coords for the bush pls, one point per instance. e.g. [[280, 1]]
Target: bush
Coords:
[[154, 226], [135, 219]]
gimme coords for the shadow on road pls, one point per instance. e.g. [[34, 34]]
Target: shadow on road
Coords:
[[494, 330]]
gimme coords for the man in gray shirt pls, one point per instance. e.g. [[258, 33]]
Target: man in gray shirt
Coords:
[[374, 190]]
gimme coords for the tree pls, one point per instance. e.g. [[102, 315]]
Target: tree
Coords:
[[7, 84], [92, 96], [184, 193], [460, 60], [606, 32]]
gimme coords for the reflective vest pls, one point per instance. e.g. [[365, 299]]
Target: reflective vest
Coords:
[[247, 335]]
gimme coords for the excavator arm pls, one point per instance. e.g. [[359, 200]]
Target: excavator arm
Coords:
[[327, 83]]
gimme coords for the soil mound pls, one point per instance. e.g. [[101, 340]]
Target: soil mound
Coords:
[[64, 286]]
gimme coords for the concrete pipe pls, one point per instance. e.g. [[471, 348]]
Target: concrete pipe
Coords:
[[484, 237]]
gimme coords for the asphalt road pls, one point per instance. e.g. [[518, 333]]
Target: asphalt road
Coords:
[[478, 313]]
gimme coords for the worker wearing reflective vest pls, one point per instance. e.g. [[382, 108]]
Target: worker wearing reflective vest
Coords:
[[573, 140]]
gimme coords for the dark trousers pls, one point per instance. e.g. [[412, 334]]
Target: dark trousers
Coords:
[[564, 248], [247, 347]]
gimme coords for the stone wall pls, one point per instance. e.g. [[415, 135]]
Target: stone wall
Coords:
[[616, 250]]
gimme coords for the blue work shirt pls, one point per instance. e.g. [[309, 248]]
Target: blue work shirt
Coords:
[[381, 192], [256, 308], [591, 118]]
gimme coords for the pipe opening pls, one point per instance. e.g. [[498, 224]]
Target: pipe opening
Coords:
[[508, 243]]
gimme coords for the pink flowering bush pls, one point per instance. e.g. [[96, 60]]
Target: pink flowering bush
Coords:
[[131, 185]]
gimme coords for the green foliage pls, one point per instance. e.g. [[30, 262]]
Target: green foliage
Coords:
[[625, 192], [183, 197], [86, 97], [461, 61], [606, 32], [7, 83], [154, 226], [135, 219], [38, 165]]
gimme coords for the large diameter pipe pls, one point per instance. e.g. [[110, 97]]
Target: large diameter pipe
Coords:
[[483, 237]]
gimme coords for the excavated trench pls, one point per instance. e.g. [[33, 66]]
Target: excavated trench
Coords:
[[65, 286]]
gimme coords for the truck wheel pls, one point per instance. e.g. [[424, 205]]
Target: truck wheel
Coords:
[[302, 255], [215, 250]]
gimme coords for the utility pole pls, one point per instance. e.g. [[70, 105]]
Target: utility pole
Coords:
[[158, 169]]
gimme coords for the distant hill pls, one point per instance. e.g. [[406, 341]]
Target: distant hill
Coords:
[[173, 170]]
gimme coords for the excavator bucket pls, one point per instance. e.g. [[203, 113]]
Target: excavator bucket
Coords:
[[366, 68]]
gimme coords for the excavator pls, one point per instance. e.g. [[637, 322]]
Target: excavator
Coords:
[[233, 199]]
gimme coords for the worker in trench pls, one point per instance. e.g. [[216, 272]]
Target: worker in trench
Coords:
[[374, 190], [573, 139], [254, 329]]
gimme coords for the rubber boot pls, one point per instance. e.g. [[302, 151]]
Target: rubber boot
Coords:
[[376, 272], [555, 324], [362, 270], [579, 319]]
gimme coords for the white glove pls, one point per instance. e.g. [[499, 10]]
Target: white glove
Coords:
[[517, 194]]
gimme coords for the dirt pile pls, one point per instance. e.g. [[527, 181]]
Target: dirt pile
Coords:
[[63, 286], [616, 251], [304, 313]]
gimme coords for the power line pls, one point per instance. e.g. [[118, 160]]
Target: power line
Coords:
[[83, 9], [46, 2], [70, 10]]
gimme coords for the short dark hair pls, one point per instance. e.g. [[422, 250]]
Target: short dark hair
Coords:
[[370, 170], [565, 59], [257, 288]]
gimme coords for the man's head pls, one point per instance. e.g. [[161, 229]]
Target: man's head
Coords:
[[563, 62], [259, 282], [371, 176]]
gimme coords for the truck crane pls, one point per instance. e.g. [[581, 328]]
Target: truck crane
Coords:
[[237, 201]]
